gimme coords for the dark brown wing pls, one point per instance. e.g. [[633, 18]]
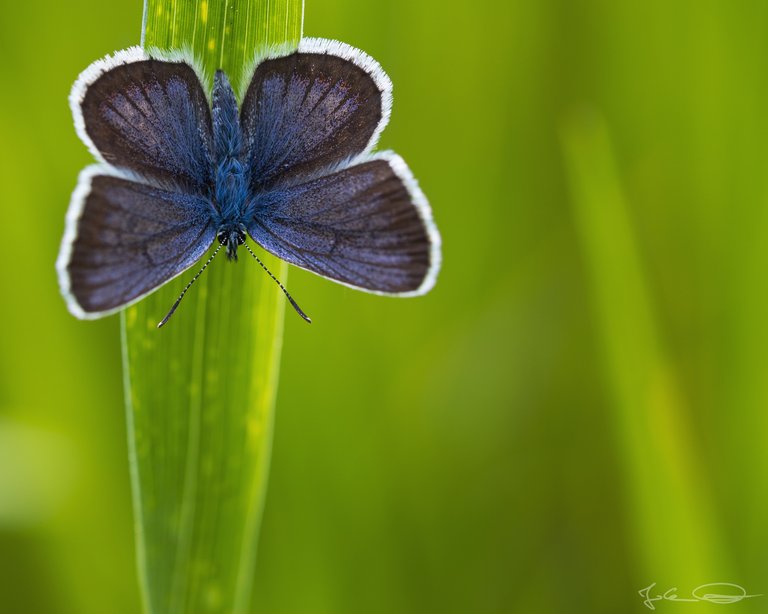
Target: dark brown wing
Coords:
[[311, 111]]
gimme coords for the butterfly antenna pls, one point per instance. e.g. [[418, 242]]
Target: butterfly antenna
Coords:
[[189, 285], [288, 296]]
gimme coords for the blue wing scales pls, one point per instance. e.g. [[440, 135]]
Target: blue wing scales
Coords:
[[125, 239], [311, 111], [149, 117], [367, 226]]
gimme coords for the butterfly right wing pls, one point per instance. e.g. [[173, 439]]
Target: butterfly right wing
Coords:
[[147, 116], [367, 226], [124, 239], [311, 111]]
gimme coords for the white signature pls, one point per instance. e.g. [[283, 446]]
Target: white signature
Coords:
[[714, 592]]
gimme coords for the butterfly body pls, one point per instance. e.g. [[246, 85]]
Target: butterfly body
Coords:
[[290, 167], [231, 192]]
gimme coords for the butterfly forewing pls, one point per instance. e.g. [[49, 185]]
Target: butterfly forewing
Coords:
[[128, 239], [310, 111], [367, 226], [150, 117]]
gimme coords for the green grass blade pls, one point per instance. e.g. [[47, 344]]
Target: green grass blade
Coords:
[[200, 392], [671, 510]]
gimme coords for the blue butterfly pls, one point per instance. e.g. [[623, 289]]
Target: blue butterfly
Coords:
[[292, 169]]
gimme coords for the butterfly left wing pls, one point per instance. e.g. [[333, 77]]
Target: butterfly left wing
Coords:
[[367, 226], [124, 239], [148, 116]]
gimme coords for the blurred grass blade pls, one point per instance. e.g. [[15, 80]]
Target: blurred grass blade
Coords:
[[676, 536], [200, 392]]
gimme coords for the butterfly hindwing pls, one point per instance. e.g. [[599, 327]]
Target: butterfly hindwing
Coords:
[[312, 110], [124, 239], [148, 116], [367, 226]]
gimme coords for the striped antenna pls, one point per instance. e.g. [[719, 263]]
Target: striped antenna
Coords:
[[290, 298]]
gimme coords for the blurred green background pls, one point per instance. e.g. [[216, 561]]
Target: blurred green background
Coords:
[[576, 411]]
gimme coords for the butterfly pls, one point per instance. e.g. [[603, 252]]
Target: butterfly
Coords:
[[291, 168]]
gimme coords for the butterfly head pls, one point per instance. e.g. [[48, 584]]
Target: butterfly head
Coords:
[[231, 237]]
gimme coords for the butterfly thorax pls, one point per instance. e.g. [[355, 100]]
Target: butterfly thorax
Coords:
[[230, 196], [230, 181]]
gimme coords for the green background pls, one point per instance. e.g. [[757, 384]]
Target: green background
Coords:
[[576, 411]]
